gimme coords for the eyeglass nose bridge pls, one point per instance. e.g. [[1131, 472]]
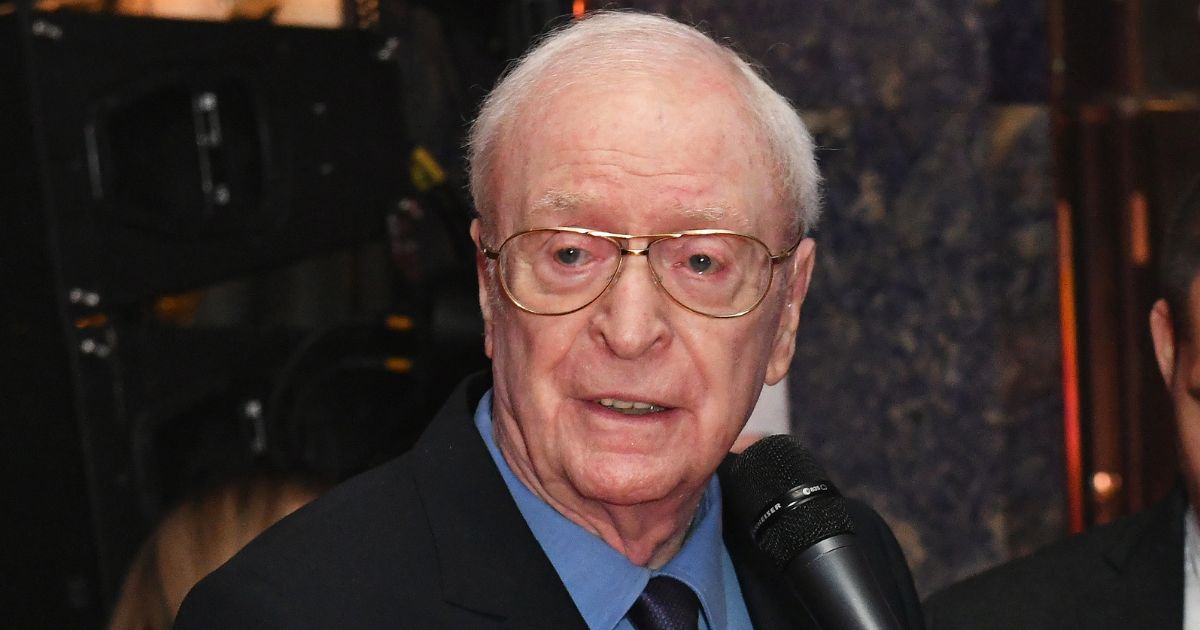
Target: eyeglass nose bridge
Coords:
[[642, 251], [645, 253], [634, 251], [639, 251]]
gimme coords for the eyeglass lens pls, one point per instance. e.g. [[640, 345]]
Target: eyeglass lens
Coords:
[[551, 271]]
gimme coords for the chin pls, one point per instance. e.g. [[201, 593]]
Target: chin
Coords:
[[616, 482]]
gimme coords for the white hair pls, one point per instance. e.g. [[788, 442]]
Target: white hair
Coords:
[[633, 43]]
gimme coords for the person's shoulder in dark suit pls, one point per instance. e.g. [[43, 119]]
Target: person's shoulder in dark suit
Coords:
[[414, 543], [1125, 574], [321, 558]]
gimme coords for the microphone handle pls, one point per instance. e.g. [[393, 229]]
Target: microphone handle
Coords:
[[836, 586]]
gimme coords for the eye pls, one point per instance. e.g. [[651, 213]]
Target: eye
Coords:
[[568, 255], [567, 250], [700, 263]]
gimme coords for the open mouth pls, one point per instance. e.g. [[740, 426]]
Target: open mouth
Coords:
[[630, 407]]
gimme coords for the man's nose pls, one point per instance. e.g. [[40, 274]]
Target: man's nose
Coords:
[[631, 317]]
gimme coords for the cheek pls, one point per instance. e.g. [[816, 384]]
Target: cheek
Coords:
[[532, 352], [1189, 438], [1187, 406], [1187, 412], [730, 358]]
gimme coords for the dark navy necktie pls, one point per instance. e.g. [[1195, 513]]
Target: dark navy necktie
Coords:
[[666, 604]]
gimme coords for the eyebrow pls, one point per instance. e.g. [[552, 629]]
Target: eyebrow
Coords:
[[555, 201], [706, 213], [561, 201]]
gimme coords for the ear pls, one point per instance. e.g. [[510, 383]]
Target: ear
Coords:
[[485, 286], [789, 319], [1162, 330]]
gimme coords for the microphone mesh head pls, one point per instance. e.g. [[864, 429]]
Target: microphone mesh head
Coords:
[[762, 475]]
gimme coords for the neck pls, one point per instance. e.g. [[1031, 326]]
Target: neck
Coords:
[[649, 534], [646, 538]]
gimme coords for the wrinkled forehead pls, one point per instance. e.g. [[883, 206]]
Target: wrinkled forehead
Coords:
[[687, 142]]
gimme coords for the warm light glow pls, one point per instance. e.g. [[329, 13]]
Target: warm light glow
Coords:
[[1072, 432], [579, 8], [399, 322], [1106, 485], [398, 365], [179, 309], [1139, 229], [95, 320]]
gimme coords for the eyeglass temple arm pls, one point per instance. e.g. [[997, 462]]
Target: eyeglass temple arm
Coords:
[[787, 253]]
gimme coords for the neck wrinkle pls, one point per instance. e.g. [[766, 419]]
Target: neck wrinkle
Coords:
[[648, 534]]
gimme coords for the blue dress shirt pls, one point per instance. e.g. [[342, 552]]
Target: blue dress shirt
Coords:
[[602, 582]]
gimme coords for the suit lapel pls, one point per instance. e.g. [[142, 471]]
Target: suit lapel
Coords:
[[490, 562], [1145, 587]]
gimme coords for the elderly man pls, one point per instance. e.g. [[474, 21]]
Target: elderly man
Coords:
[[643, 197], [1141, 571]]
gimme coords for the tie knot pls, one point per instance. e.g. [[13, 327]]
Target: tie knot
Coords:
[[666, 604]]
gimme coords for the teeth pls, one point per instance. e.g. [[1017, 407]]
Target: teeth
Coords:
[[630, 406]]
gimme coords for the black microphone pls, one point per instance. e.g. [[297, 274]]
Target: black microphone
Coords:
[[797, 517]]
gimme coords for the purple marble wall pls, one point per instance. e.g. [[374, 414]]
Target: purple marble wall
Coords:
[[927, 375]]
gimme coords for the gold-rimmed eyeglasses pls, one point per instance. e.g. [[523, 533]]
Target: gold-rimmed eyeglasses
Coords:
[[560, 270]]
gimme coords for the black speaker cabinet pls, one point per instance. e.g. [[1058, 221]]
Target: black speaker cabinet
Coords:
[[137, 157], [177, 153]]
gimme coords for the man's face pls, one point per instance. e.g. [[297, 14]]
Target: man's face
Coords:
[[634, 156], [1179, 360]]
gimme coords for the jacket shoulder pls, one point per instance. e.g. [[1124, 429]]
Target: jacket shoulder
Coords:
[[1046, 588], [341, 553]]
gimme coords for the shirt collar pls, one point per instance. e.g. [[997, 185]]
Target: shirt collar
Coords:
[[602, 582], [1191, 568]]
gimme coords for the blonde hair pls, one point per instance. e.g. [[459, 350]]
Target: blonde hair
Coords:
[[196, 538]]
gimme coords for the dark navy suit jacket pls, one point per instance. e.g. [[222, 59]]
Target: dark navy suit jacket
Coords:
[[1125, 575]]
